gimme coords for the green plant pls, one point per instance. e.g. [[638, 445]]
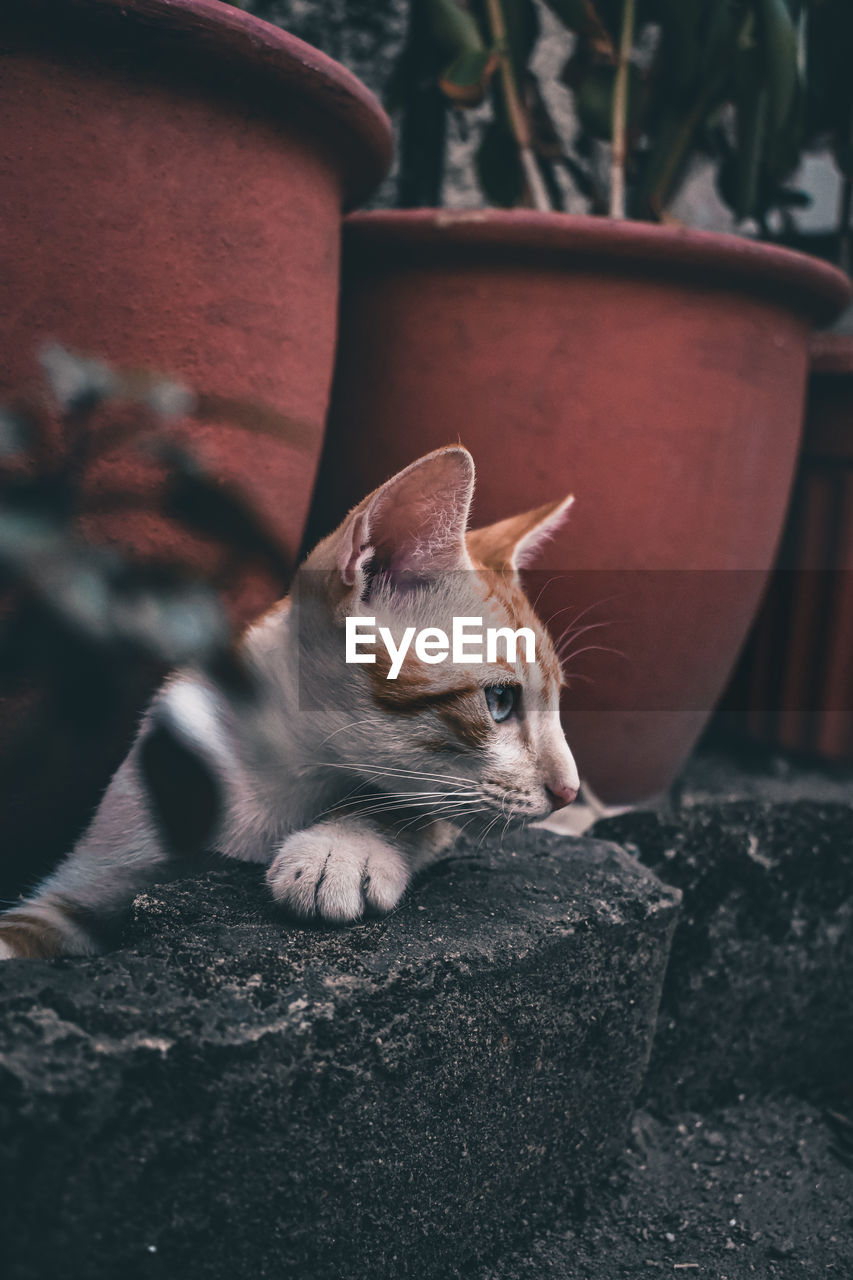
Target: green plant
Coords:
[[653, 82]]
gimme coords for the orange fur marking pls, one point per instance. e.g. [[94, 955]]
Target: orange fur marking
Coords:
[[31, 937]]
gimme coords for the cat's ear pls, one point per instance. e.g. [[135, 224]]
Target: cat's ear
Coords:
[[513, 544], [414, 525]]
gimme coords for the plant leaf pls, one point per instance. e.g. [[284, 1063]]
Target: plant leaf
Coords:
[[751, 134], [778, 38], [452, 27], [467, 78]]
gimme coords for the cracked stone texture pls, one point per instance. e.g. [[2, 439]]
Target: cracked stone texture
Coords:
[[758, 990], [229, 1094]]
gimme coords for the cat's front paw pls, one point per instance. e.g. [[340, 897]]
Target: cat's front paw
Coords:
[[337, 871]]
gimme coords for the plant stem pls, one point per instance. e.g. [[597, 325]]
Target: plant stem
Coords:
[[518, 120], [619, 127]]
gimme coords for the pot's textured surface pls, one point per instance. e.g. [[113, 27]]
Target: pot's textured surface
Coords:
[[656, 374], [232, 1095], [794, 686], [172, 180], [171, 199]]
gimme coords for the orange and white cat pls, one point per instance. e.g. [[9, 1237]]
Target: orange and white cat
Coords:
[[342, 782]]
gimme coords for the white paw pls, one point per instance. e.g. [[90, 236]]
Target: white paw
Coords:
[[337, 871]]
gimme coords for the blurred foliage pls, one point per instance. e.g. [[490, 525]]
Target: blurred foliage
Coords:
[[749, 83], [103, 603], [88, 628]]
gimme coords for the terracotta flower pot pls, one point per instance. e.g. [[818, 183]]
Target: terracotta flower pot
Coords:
[[655, 373], [794, 685], [173, 178], [172, 182]]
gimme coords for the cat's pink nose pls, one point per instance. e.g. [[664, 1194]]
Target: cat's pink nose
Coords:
[[561, 794]]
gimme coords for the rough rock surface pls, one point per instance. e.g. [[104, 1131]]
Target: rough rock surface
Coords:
[[757, 1190], [758, 991], [229, 1094]]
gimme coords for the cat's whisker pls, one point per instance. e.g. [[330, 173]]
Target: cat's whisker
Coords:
[[577, 617], [425, 821], [567, 643], [570, 677], [371, 803], [474, 814], [596, 604], [406, 802], [556, 577], [353, 724], [574, 633], [352, 796], [557, 614], [593, 648], [396, 772], [495, 819]]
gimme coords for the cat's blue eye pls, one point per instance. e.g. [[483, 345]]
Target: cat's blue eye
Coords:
[[501, 699]]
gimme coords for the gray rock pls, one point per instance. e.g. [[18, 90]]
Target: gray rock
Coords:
[[757, 1190], [758, 991], [230, 1094]]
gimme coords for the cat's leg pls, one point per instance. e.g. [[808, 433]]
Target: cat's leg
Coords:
[[432, 842], [338, 870], [119, 854], [124, 851]]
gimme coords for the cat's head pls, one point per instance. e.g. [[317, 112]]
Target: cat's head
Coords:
[[464, 740]]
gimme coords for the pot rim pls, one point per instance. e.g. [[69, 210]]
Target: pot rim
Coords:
[[250, 46], [804, 282]]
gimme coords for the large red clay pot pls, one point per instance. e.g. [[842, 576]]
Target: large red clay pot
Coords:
[[657, 374], [172, 182], [794, 685]]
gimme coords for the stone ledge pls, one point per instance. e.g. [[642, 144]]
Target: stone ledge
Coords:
[[758, 991], [229, 1094]]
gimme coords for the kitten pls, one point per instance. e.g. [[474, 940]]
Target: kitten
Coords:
[[342, 782]]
